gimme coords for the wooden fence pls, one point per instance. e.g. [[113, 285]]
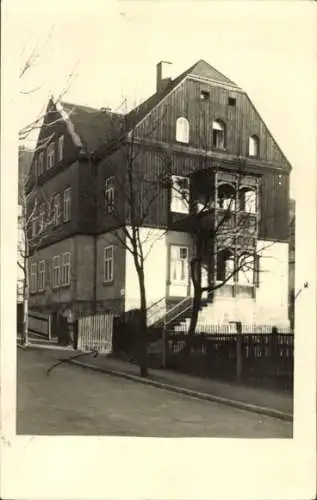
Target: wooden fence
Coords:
[[261, 359], [95, 333]]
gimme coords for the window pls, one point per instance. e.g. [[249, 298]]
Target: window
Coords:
[[218, 134], [247, 200], [204, 95], [179, 264], [109, 195], [50, 160], [34, 224], [253, 145], [231, 101], [41, 218], [41, 164], [67, 204], [57, 209], [108, 271], [66, 266], [41, 276], [56, 271], [227, 197], [225, 266], [36, 168], [182, 130], [180, 194], [33, 278], [60, 148], [246, 270]]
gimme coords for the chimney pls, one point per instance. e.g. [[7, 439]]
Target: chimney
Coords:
[[163, 75]]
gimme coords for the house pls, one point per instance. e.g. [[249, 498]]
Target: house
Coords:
[[204, 130], [291, 283]]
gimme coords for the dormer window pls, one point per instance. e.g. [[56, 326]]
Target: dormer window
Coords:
[[218, 134], [253, 146], [50, 160], [60, 148], [182, 130]]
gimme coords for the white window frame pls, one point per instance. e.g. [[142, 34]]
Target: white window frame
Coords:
[[66, 269], [179, 266], [109, 194], [33, 277], [246, 277], [179, 201], [108, 264], [36, 168], [67, 215], [249, 204], [41, 276], [182, 130], [254, 146], [219, 126], [41, 218], [50, 156], [56, 271], [41, 163], [57, 209], [60, 149], [229, 201]]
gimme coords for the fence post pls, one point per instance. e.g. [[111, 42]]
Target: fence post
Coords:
[[239, 351], [49, 328], [164, 345]]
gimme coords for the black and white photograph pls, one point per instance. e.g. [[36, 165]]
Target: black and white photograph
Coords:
[[162, 273]]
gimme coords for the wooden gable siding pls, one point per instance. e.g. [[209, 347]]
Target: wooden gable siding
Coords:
[[242, 120], [274, 199]]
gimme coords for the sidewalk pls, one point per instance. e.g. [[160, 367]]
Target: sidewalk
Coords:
[[264, 401]]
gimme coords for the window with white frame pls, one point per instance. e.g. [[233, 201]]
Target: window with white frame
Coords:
[[67, 204], [41, 219], [180, 194], [247, 200], [108, 264], [253, 145], [225, 266], [179, 264], [57, 209], [41, 275], [109, 194], [218, 134], [50, 158], [33, 278], [56, 271], [66, 269], [60, 149], [182, 130], [226, 197], [36, 168], [41, 164], [246, 269]]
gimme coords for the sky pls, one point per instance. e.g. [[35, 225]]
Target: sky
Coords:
[[106, 51]]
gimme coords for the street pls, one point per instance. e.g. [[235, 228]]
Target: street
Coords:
[[77, 401]]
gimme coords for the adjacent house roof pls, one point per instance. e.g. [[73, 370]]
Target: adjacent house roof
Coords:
[[93, 126]]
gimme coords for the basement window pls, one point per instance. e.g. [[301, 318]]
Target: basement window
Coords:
[[204, 95], [231, 101]]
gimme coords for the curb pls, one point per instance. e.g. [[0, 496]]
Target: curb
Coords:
[[189, 392]]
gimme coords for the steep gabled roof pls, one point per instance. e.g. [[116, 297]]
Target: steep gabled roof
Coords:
[[93, 126], [200, 69]]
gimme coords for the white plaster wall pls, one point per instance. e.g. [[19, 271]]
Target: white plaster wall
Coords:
[[155, 269], [272, 294]]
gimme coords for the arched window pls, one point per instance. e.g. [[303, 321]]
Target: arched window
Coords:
[[253, 145], [182, 130], [218, 134], [226, 197], [225, 266], [246, 269], [247, 200]]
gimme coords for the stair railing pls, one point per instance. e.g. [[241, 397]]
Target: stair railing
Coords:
[[186, 301]]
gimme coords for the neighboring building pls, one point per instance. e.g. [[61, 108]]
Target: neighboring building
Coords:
[[208, 126], [291, 261], [24, 163]]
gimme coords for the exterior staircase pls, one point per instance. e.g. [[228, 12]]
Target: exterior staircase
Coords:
[[159, 315]]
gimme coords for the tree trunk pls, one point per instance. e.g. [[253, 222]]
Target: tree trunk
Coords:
[[142, 334], [25, 329], [196, 277]]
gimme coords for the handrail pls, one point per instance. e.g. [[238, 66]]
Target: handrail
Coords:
[[180, 303]]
